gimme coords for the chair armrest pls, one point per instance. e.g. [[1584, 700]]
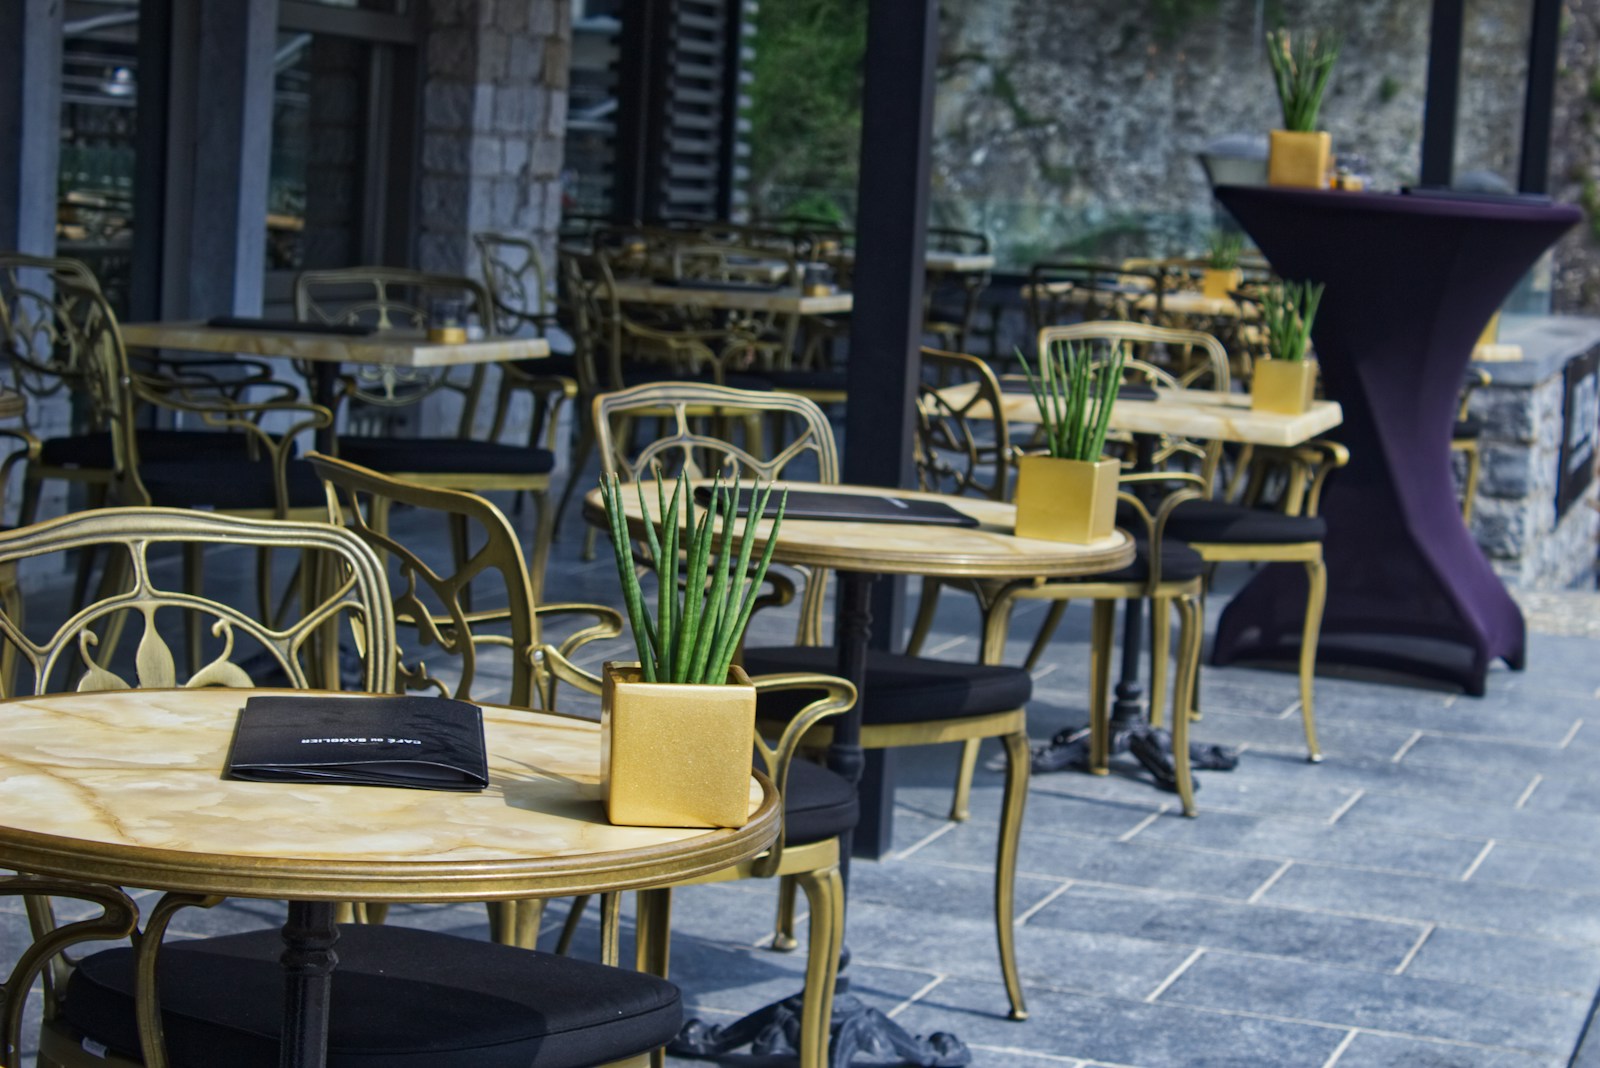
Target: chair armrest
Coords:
[[117, 920], [1323, 457], [838, 697], [608, 624], [554, 667], [1190, 487]]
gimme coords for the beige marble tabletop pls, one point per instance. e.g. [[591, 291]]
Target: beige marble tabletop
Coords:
[[1175, 302], [989, 550], [395, 348], [753, 299], [126, 787], [1190, 413]]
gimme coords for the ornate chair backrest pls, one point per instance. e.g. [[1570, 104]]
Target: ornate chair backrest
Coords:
[[683, 447], [1155, 357], [963, 440], [586, 320], [353, 589], [432, 597], [513, 273], [37, 338], [1070, 290], [395, 298]]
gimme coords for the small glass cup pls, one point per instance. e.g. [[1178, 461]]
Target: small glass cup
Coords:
[[447, 320]]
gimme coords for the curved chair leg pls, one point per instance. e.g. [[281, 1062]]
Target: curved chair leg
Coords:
[[1160, 657], [960, 804], [516, 923], [1191, 633], [1005, 866], [783, 939], [825, 895], [28, 510], [580, 460], [569, 927], [1047, 630], [927, 608], [1316, 597], [611, 929], [1470, 491], [543, 535], [653, 931], [1100, 641]]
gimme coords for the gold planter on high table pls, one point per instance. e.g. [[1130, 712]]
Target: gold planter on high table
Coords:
[[1284, 387], [676, 754], [1066, 500], [1298, 158], [1218, 282]]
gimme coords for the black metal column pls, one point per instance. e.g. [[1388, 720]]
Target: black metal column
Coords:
[[886, 323], [1544, 46], [641, 66], [1444, 93], [30, 123]]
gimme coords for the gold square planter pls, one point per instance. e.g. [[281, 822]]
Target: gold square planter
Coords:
[[1217, 282], [1298, 158], [676, 754], [1066, 500], [1284, 387]]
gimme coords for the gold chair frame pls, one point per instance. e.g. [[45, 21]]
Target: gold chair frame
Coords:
[[815, 436], [1477, 378]]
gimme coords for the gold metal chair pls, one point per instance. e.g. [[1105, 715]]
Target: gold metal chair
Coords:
[[103, 1010], [950, 297], [452, 636], [912, 701], [390, 298], [1072, 290], [1465, 436]]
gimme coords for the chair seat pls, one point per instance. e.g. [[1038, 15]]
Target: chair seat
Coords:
[[564, 364], [229, 484], [445, 456], [1223, 523], [833, 381], [1179, 563], [818, 804], [900, 688], [94, 450], [401, 997], [1467, 429]]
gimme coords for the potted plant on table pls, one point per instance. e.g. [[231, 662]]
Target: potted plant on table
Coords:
[[1286, 381], [1298, 154], [1069, 493], [676, 727], [1222, 274]]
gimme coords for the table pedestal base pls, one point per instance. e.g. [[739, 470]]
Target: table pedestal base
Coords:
[[861, 1036], [1150, 746]]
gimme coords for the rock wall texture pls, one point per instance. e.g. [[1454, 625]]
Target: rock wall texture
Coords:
[[1084, 119]]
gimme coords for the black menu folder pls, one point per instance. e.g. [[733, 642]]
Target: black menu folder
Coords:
[[1012, 384], [426, 743], [883, 507]]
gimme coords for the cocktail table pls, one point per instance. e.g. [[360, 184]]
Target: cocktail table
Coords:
[[125, 788]]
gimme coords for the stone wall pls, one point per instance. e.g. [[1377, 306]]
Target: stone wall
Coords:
[[494, 117], [1057, 122]]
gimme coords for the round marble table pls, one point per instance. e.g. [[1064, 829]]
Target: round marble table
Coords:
[[126, 788]]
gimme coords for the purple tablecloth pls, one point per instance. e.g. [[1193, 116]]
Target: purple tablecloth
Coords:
[[1411, 281]]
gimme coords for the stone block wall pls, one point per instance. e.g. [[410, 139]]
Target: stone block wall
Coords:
[[1514, 520]]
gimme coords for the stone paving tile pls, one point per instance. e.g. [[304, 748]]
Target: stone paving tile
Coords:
[[1309, 795], [1541, 913], [1115, 1031], [1297, 839], [1392, 1003], [1193, 922], [1535, 723], [1497, 754], [1529, 865], [1287, 771], [1506, 961], [1097, 860], [1091, 962], [1081, 814], [1391, 1051], [967, 893], [1444, 816], [1339, 739]]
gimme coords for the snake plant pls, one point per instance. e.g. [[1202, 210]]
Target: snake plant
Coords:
[[1075, 394], [1300, 69], [1288, 310]]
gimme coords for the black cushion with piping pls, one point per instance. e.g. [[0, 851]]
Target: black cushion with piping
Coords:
[[818, 804], [900, 688], [446, 456], [1179, 563], [1467, 429], [402, 998], [230, 484], [1223, 523], [557, 363], [94, 450]]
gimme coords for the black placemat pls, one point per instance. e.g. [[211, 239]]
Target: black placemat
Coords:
[[853, 508]]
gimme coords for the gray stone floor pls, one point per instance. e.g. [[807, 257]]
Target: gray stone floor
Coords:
[[1428, 896]]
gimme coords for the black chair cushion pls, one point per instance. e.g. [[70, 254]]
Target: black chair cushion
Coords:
[[900, 688], [446, 456], [564, 364], [818, 804], [1467, 429], [1223, 523], [93, 451], [402, 998], [1179, 563], [229, 484], [833, 381]]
